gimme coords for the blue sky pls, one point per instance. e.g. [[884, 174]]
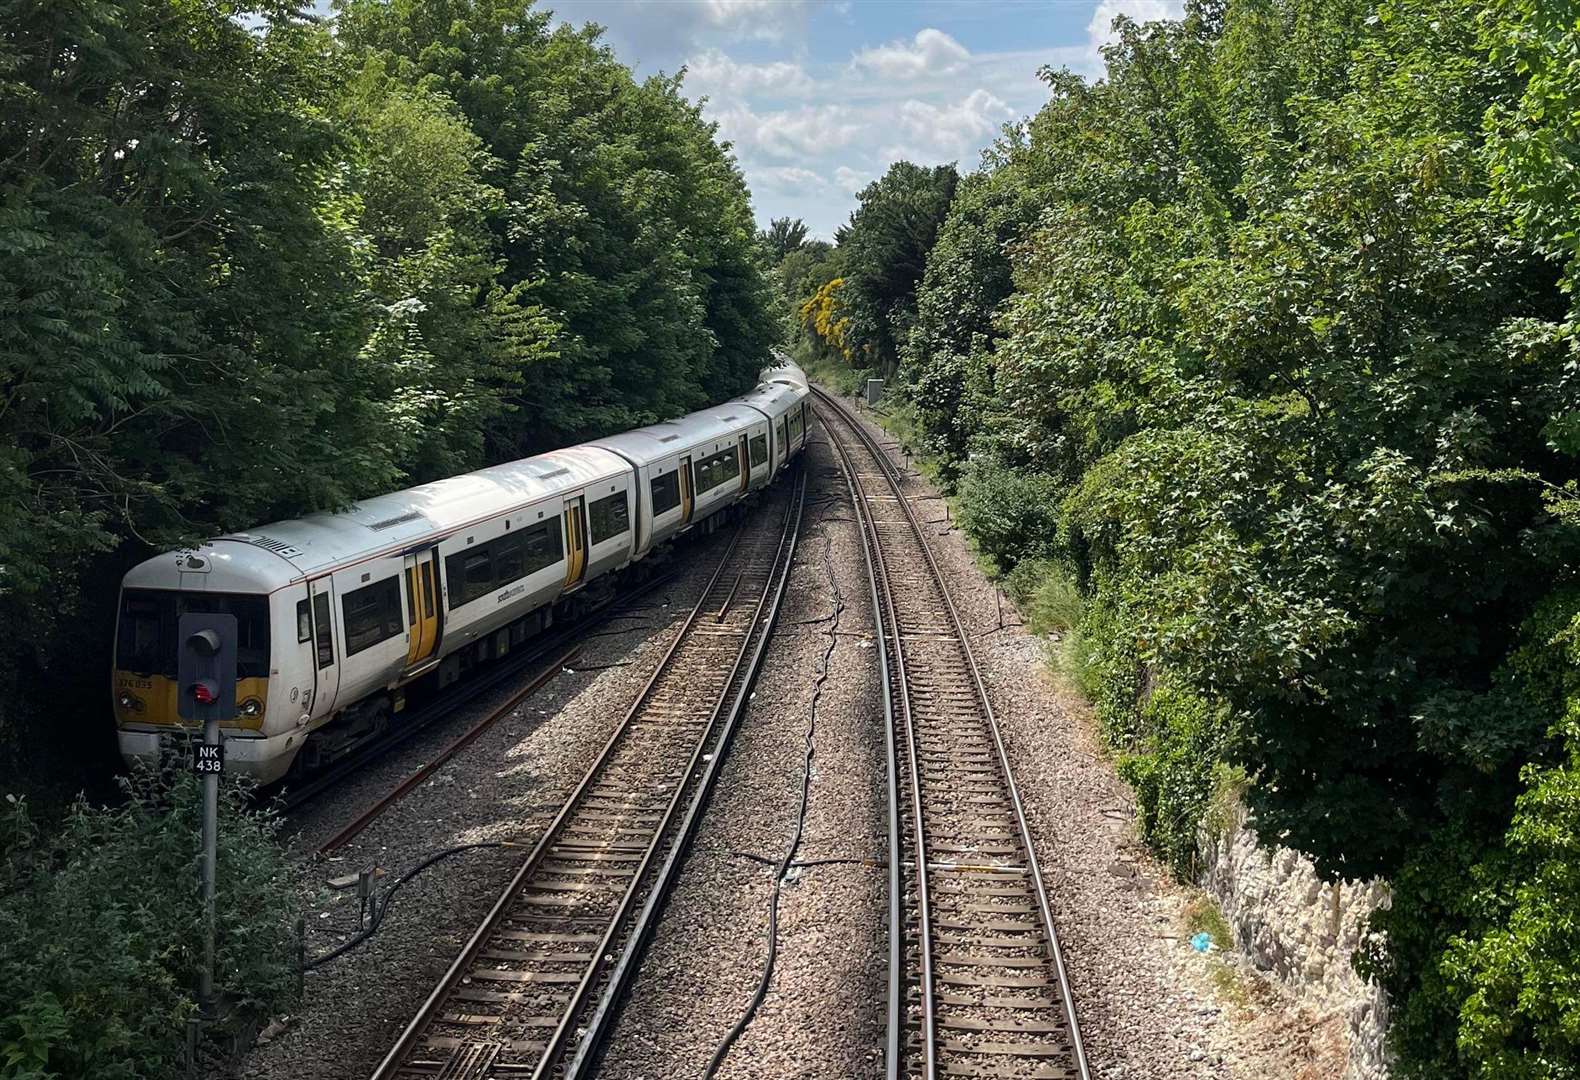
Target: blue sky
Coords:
[[818, 96]]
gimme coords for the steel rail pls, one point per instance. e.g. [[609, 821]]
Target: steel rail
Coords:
[[1044, 908], [457, 697], [894, 1023], [565, 1029], [601, 1024], [394, 795]]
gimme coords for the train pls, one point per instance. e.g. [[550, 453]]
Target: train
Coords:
[[345, 618]]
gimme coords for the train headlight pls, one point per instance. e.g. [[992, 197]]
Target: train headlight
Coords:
[[251, 707], [129, 702]]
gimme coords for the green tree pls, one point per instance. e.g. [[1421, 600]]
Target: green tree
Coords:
[[783, 236], [884, 253], [654, 285]]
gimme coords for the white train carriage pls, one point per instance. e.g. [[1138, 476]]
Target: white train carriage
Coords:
[[338, 613], [340, 616], [785, 374], [687, 470], [786, 411]]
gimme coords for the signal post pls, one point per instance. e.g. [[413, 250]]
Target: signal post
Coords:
[[206, 676]]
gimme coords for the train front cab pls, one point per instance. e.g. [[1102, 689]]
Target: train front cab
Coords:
[[220, 577]]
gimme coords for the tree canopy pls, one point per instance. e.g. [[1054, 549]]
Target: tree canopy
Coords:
[[1266, 341], [254, 265]]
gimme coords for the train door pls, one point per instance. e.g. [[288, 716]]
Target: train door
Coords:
[[575, 541], [422, 605], [744, 455], [326, 670], [685, 490]]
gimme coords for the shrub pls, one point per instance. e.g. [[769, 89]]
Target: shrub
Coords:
[[101, 929], [1010, 516], [1176, 770]]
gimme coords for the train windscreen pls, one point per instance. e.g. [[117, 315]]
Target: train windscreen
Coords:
[[146, 641]]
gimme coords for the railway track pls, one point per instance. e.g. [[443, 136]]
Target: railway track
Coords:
[[977, 981], [534, 991], [560, 642]]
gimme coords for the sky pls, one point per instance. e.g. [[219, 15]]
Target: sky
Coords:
[[817, 97]]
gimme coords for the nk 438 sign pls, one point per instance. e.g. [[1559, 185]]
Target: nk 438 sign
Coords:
[[208, 757]]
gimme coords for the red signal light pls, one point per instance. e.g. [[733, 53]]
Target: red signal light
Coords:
[[203, 693]]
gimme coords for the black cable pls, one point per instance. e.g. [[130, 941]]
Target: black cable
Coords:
[[380, 909], [787, 860]]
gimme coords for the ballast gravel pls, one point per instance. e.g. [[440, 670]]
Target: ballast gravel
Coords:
[[1148, 1004], [823, 1013], [505, 786]]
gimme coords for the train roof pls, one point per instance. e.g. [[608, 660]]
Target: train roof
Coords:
[[317, 542], [775, 399], [656, 442], [785, 374]]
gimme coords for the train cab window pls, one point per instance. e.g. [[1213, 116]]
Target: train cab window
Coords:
[[608, 517], [150, 624], [759, 447], [373, 614], [304, 623], [666, 493], [326, 640]]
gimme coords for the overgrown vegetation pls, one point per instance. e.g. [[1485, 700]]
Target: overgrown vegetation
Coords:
[[250, 268], [1252, 366], [101, 930]]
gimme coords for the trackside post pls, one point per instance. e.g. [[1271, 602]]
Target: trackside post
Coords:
[[206, 680]]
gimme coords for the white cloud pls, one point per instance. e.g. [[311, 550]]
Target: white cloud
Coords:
[[718, 76], [1100, 31], [931, 52], [849, 180], [953, 130], [788, 178], [766, 19], [810, 131]]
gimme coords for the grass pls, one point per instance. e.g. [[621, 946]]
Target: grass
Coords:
[[1202, 915]]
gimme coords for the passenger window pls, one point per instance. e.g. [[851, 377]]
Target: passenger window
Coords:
[[666, 493], [326, 641], [759, 450], [372, 613], [609, 517], [304, 622], [478, 577], [543, 546], [508, 562]]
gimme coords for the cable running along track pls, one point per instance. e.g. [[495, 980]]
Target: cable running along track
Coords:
[[534, 991], [977, 980]]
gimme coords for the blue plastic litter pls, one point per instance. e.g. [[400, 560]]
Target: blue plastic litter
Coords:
[[1201, 942]]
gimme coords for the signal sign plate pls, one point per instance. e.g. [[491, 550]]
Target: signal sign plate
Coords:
[[208, 757]]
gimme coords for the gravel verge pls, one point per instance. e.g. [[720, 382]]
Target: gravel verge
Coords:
[[1148, 1005], [823, 1014], [504, 786]]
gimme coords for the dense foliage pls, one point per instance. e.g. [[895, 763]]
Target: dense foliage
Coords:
[[252, 265], [101, 931], [856, 304], [1266, 344]]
